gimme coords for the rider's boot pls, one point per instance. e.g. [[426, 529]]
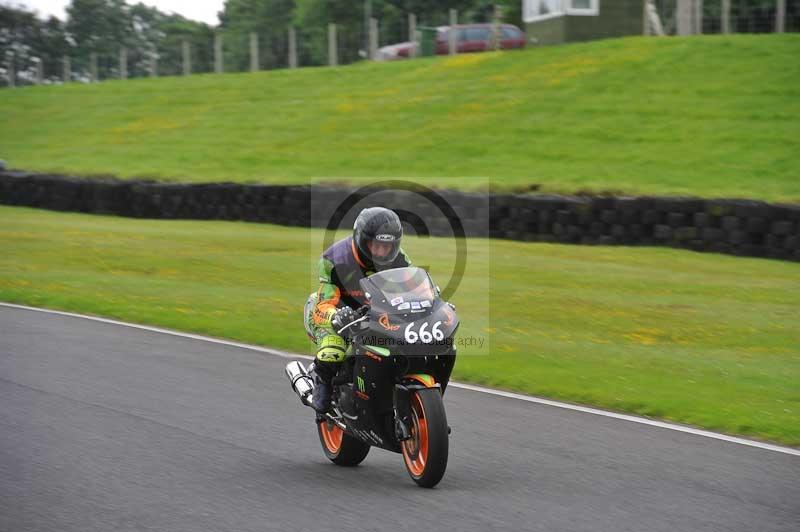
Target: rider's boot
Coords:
[[323, 390], [322, 396]]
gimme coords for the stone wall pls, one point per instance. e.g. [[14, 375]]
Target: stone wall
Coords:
[[740, 227]]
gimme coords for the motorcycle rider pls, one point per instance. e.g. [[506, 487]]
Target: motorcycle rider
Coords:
[[374, 246]]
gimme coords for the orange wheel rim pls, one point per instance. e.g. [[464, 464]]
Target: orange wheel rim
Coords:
[[415, 450], [331, 435]]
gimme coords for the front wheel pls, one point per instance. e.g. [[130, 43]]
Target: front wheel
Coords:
[[425, 453], [340, 448]]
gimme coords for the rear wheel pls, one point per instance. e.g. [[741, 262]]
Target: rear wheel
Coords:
[[340, 448], [425, 453]]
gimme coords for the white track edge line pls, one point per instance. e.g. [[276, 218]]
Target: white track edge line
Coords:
[[471, 387]]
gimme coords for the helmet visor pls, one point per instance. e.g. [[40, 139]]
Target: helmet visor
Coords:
[[383, 252]]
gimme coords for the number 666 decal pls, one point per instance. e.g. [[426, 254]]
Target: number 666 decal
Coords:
[[425, 336]]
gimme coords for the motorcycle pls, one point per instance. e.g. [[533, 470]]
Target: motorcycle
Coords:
[[388, 393]]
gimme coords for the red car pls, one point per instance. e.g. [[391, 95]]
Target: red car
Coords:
[[470, 38]]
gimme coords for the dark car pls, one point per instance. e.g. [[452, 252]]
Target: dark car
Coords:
[[469, 38]]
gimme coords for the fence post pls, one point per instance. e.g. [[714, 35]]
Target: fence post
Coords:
[[652, 23], [496, 18], [780, 16], [254, 52], [373, 39], [12, 78], [333, 48], [218, 66], [39, 72], [412, 34], [452, 37], [726, 16], [367, 18], [154, 66], [93, 67], [123, 63], [67, 69], [187, 58], [684, 13], [292, 47], [698, 17]]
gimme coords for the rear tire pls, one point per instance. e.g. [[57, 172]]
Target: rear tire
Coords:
[[425, 454], [341, 448]]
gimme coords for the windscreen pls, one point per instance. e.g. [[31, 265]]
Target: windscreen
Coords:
[[403, 285]]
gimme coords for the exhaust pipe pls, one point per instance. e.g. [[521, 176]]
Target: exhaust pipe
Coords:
[[302, 384]]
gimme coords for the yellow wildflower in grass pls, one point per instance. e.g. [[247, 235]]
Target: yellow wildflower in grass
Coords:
[[475, 106], [466, 60], [346, 107], [13, 282], [645, 336]]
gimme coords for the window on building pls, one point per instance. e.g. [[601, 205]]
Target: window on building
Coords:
[[583, 7], [535, 10], [542, 9]]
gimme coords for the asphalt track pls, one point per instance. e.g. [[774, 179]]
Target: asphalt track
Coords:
[[108, 428]]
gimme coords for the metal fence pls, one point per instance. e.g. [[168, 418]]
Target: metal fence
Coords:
[[217, 51], [231, 51], [693, 17]]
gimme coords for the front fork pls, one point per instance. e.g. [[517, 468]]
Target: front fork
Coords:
[[402, 406], [401, 400]]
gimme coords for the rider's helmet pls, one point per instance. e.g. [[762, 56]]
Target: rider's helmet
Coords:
[[380, 227]]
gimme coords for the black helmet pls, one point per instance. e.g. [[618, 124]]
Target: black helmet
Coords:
[[381, 225]]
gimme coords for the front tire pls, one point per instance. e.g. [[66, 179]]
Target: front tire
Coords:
[[425, 454], [340, 448]]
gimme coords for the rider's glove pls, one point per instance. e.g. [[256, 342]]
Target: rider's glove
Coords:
[[343, 317]]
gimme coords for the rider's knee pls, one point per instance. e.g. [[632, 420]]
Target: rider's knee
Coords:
[[331, 348]]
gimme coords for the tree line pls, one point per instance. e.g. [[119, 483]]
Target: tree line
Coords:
[[103, 27], [150, 36]]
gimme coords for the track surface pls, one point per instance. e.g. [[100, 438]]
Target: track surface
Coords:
[[104, 427]]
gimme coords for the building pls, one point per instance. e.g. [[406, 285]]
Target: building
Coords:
[[560, 21]]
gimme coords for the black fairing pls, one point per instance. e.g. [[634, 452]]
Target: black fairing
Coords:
[[388, 330], [368, 379]]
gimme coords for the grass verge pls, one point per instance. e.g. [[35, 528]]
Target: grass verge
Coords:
[[702, 339], [706, 116]]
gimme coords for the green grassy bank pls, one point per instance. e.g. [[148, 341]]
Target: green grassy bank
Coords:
[[708, 116], [703, 339]]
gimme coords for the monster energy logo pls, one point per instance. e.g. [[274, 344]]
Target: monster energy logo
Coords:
[[361, 386]]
